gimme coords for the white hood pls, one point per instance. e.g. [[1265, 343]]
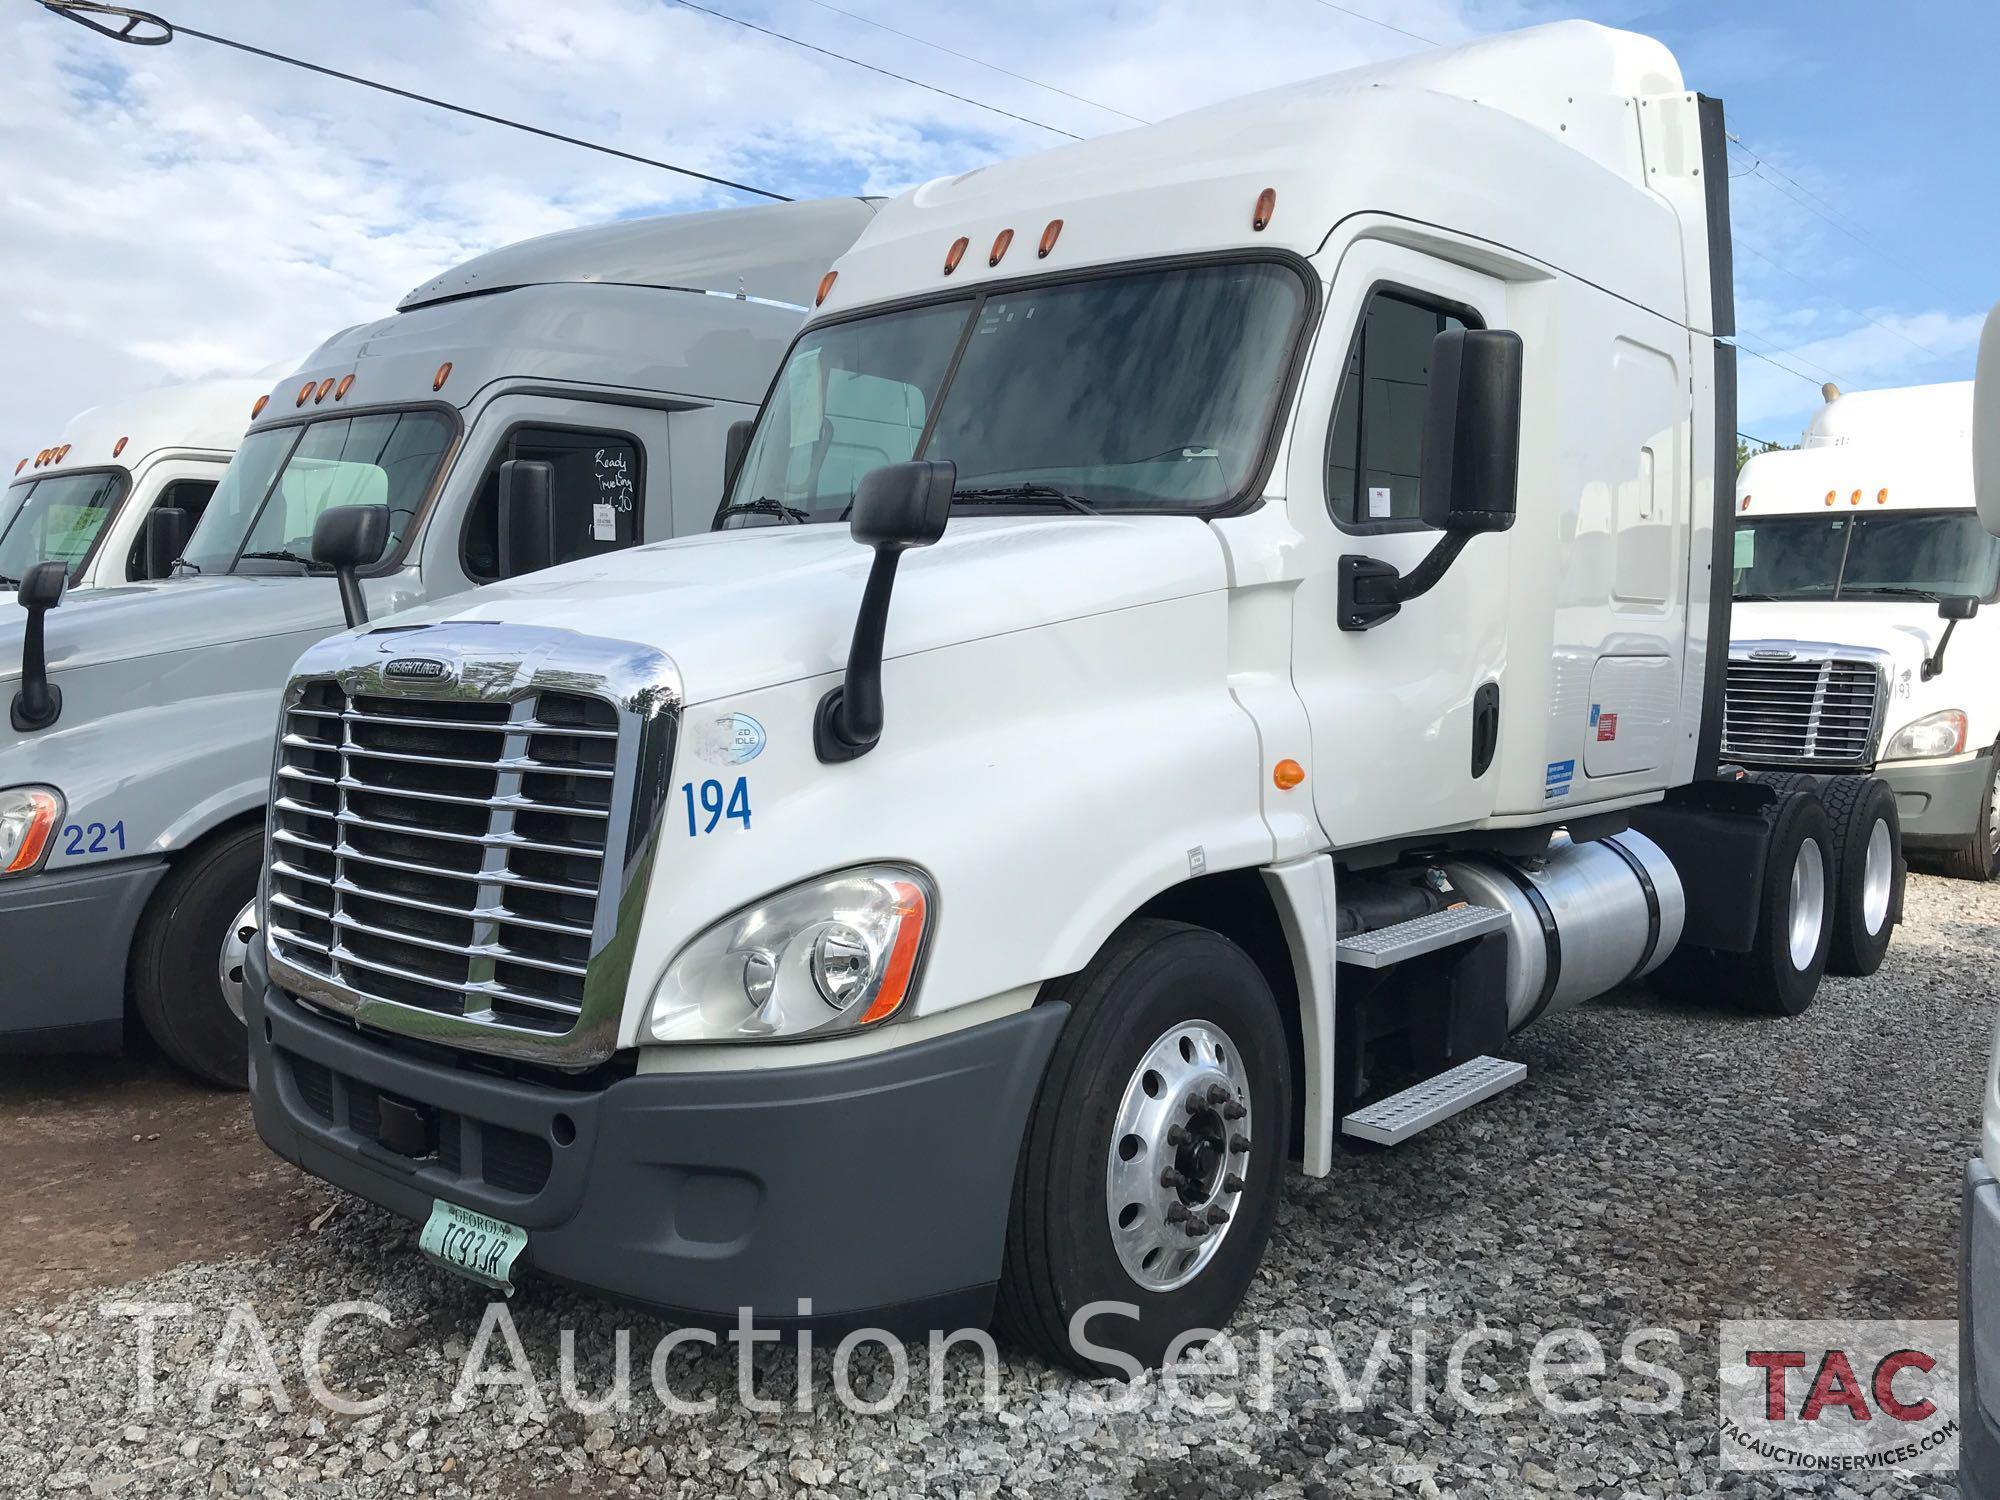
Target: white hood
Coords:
[[1907, 629]]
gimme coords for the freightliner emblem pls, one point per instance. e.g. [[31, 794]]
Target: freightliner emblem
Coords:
[[417, 669]]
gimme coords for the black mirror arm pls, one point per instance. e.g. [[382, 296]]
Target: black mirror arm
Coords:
[[38, 704], [1934, 663], [1372, 591], [849, 721], [352, 604]]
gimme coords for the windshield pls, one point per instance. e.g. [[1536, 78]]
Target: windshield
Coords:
[[1148, 391], [281, 480], [56, 519], [1889, 555]]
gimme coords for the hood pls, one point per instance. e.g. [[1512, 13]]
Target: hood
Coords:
[[1908, 631], [749, 609], [154, 619]]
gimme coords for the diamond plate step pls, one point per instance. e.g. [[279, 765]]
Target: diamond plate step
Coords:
[[1383, 946], [1400, 1116]]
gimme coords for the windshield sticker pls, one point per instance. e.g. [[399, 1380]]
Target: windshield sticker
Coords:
[[1746, 549], [1557, 783], [603, 523], [1381, 502], [731, 740]]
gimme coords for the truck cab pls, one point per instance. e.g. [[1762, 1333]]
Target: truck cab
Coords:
[[1864, 640], [1216, 627], [85, 500], [610, 363]]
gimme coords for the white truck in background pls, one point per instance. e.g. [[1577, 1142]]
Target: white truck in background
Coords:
[[86, 499], [1859, 648], [1216, 627], [565, 397]]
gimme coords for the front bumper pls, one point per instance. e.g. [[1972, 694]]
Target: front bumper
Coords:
[[876, 1186], [1938, 801], [1979, 1333], [65, 938]]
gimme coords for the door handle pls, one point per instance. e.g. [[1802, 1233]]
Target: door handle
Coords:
[[1485, 727]]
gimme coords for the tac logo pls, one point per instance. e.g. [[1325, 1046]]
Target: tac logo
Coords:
[[1836, 1397], [417, 669]]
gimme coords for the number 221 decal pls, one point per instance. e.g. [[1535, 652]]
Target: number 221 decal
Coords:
[[81, 840], [711, 804]]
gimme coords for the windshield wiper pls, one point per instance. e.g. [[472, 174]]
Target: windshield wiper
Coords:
[[9, 583], [1023, 494], [282, 554], [791, 515], [1898, 590]]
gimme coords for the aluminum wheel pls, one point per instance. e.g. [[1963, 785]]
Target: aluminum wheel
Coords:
[[1808, 903], [1878, 878], [235, 952], [1172, 1184]]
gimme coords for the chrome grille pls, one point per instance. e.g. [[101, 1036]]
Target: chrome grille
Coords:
[[1799, 709], [443, 853]]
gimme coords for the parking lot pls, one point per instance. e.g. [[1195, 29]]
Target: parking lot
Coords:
[[1663, 1168]]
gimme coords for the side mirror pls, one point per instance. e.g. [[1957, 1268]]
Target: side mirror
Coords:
[[166, 533], [1471, 469], [1472, 431], [735, 444], [347, 538], [38, 703], [1951, 609], [896, 507], [1986, 425], [527, 517]]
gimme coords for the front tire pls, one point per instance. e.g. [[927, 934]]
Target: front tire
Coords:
[[1977, 855], [181, 962], [1166, 1106]]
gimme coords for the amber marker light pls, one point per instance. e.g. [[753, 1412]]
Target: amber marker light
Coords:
[[1829, 497], [1744, 504], [63, 453], [304, 395], [954, 255], [20, 466], [1049, 237], [443, 374], [257, 410], [1267, 205], [1881, 497], [1000, 243], [825, 285], [1287, 774], [910, 909], [346, 384]]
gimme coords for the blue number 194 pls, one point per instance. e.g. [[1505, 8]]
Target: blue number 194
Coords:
[[712, 802]]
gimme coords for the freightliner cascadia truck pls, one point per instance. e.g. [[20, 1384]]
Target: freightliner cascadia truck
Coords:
[[1215, 628], [560, 398]]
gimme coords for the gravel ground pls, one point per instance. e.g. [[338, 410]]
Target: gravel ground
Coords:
[[1663, 1167]]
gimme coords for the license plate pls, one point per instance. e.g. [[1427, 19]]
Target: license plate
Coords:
[[476, 1246]]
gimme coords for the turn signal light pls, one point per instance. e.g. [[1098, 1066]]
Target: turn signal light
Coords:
[[954, 255], [825, 285], [257, 410], [1049, 239], [1000, 243], [40, 811], [1287, 774], [902, 955], [443, 374], [1267, 205]]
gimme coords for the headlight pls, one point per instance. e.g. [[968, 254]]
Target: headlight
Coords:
[[1933, 735], [835, 954], [29, 817]]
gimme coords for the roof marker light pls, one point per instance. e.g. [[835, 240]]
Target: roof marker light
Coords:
[[825, 285], [1829, 497], [304, 395], [119, 446], [20, 466], [1855, 498], [63, 453], [346, 384], [1049, 239], [1267, 205], [325, 390], [1745, 505], [443, 374], [954, 255], [257, 410], [1881, 497], [41, 458], [1000, 243]]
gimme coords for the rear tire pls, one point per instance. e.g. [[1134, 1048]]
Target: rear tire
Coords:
[[177, 962], [1867, 846], [1780, 974], [1182, 1007], [1977, 855]]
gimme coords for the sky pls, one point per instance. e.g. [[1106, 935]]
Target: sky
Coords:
[[174, 212]]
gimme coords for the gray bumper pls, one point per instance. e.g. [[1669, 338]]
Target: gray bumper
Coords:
[[1938, 804], [877, 1187], [64, 942], [1979, 1334]]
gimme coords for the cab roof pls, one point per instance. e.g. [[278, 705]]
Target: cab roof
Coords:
[[1867, 475], [202, 416], [1922, 413]]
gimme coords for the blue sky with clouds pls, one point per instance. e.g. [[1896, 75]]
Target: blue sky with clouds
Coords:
[[173, 212]]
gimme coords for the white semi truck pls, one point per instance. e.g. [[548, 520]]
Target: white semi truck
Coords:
[[86, 499], [1215, 628], [1859, 649], [565, 397]]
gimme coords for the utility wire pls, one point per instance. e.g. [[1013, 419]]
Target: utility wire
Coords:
[[884, 72], [1377, 21], [1743, 244], [80, 11], [1775, 363], [979, 62]]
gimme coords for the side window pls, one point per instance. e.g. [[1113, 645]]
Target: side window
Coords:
[[1374, 458], [597, 488], [190, 495]]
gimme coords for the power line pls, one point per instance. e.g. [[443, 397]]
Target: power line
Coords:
[[1377, 21], [979, 62], [1743, 244], [1777, 364], [81, 11], [884, 72]]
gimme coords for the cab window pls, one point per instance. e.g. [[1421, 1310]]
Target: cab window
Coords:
[[190, 495], [1374, 461], [596, 487]]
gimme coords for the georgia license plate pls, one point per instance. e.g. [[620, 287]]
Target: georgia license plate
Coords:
[[476, 1246]]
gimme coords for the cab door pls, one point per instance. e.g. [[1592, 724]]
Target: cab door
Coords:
[[1403, 715]]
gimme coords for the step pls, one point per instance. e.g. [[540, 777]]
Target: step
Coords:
[[1383, 946], [1400, 1116]]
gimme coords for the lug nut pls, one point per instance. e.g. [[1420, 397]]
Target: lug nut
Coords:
[[1233, 1111], [1239, 1144], [1217, 1214], [1217, 1094], [1176, 1212], [1232, 1183], [1175, 1135], [1196, 1229], [1172, 1179], [1194, 1104]]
